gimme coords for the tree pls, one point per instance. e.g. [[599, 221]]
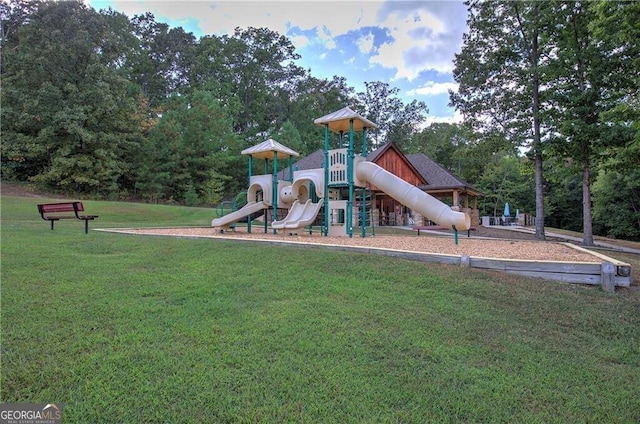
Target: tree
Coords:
[[575, 98], [68, 121], [193, 155], [563, 201], [617, 206], [499, 76], [160, 59], [313, 98], [615, 32], [506, 179], [396, 121], [260, 64]]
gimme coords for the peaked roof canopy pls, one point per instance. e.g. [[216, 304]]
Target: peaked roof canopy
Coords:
[[339, 121], [268, 148]]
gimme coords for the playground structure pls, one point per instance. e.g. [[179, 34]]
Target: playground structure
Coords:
[[337, 191]]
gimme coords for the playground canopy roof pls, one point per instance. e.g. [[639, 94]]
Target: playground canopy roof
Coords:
[[268, 148], [339, 121]]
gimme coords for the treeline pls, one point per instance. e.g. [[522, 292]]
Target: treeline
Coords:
[[96, 103], [561, 79]]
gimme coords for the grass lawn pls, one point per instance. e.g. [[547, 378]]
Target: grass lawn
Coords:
[[133, 329]]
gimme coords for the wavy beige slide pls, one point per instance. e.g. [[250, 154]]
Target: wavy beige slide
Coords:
[[300, 215]]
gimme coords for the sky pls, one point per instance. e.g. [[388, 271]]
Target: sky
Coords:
[[408, 44]]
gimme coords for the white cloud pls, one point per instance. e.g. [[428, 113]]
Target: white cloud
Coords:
[[365, 43], [324, 35], [454, 118], [422, 36], [426, 36], [299, 41], [432, 88]]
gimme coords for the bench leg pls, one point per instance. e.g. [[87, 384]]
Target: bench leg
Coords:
[[52, 221], [86, 226]]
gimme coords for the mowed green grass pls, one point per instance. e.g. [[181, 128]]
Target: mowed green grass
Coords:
[[132, 329]]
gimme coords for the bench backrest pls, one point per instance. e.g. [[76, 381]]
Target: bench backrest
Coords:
[[61, 207]]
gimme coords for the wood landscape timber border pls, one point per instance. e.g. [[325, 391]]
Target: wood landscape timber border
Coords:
[[594, 273]]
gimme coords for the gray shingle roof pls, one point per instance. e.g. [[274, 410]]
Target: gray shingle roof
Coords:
[[313, 161], [437, 177]]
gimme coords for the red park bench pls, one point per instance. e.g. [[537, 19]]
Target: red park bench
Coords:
[[69, 210]]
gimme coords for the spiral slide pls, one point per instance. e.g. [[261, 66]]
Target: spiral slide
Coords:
[[232, 217], [412, 196]]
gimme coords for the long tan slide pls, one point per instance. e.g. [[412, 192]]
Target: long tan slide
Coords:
[[411, 196]]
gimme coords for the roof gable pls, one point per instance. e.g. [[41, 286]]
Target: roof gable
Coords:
[[436, 176], [393, 160]]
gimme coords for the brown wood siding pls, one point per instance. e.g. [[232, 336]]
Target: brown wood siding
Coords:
[[397, 164]]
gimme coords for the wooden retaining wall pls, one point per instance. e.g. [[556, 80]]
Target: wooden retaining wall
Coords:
[[604, 271], [597, 272]]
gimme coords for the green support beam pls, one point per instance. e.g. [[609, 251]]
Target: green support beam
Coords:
[[325, 228], [274, 189], [250, 175]]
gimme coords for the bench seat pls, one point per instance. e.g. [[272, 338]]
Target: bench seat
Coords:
[[65, 210]]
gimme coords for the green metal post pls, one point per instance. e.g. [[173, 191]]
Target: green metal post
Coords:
[[266, 171], [363, 204], [350, 181], [455, 234], [326, 180], [250, 175], [274, 189]]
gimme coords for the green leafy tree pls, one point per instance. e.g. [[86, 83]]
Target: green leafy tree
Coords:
[[563, 201], [499, 73], [397, 122], [289, 135], [617, 209], [616, 33], [507, 179], [313, 98], [160, 59], [68, 121], [576, 98], [260, 63], [193, 155]]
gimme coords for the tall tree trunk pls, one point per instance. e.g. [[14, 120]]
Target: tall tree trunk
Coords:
[[584, 142], [587, 238], [537, 149], [539, 196]]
